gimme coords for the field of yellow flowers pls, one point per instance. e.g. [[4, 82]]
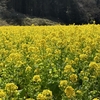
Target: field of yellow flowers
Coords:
[[50, 62]]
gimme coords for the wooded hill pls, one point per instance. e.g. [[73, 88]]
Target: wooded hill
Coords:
[[49, 12]]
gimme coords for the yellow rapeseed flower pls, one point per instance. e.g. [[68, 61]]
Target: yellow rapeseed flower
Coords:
[[2, 93], [36, 78], [97, 59], [93, 65], [41, 97], [11, 88], [48, 50], [66, 60], [73, 77], [57, 52], [87, 50], [14, 57], [85, 78], [69, 91], [43, 42], [45, 95], [83, 56], [31, 49], [28, 69], [1, 64], [63, 83], [48, 94], [79, 92], [68, 68], [76, 59], [95, 99]]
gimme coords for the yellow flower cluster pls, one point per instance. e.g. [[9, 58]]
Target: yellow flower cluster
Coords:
[[2, 93], [93, 65], [95, 99], [45, 95], [28, 69], [83, 56], [14, 57], [79, 92], [10, 88], [68, 69], [36, 78], [63, 83], [73, 78], [70, 92]]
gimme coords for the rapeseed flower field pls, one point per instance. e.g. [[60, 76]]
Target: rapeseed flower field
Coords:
[[50, 62]]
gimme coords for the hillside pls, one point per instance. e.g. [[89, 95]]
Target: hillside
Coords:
[[49, 12]]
